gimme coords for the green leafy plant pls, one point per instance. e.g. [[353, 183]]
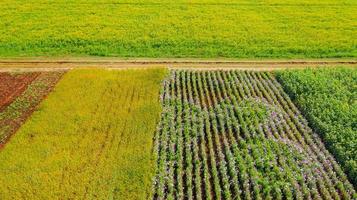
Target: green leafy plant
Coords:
[[327, 97], [237, 135]]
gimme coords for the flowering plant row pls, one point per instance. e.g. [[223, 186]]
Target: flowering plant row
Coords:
[[237, 135], [327, 98]]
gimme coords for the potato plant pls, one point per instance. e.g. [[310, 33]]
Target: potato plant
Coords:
[[327, 98], [237, 135]]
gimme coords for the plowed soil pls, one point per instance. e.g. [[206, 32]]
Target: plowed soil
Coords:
[[20, 94], [12, 85]]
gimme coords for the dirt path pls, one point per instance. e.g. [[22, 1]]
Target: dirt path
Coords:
[[45, 64]]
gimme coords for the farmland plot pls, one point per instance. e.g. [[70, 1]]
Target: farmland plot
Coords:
[[180, 28], [237, 135], [20, 93], [12, 85], [327, 98], [90, 139]]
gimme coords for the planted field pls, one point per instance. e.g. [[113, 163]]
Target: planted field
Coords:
[[166, 28], [90, 139], [237, 135], [20, 93], [327, 97], [12, 85], [222, 134]]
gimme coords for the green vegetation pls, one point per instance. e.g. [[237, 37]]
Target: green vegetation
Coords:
[[237, 135], [90, 139], [166, 28], [327, 97]]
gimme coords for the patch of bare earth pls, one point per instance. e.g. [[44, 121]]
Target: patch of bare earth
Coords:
[[12, 85], [20, 96]]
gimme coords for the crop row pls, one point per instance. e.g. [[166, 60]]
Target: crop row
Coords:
[[237, 135], [91, 138], [327, 98]]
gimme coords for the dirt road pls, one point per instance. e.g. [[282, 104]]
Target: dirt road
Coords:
[[34, 64]]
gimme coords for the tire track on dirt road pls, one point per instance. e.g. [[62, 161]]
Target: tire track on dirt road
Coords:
[[40, 64]]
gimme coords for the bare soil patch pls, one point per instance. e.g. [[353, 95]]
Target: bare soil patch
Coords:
[[21, 97], [12, 85]]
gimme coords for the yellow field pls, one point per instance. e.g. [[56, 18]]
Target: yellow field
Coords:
[[90, 139], [181, 28]]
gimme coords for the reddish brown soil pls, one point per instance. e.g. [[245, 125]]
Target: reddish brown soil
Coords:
[[12, 85], [41, 85]]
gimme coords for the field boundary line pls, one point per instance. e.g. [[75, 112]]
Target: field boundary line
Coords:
[[111, 63]]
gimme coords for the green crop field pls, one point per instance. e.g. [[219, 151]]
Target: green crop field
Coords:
[[237, 135], [163, 28], [328, 98], [90, 139], [179, 134], [178, 99]]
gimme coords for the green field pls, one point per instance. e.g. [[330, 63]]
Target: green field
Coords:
[[87, 113], [328, 98], [217, 134], [162, 28], [237, 135], [90, 139]]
